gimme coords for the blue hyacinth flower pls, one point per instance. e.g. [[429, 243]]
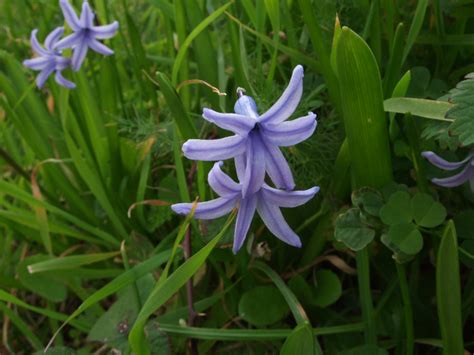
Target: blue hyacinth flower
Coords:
[[267, 201], [85, 35], [258, 137], [49, 60], [466, 174]]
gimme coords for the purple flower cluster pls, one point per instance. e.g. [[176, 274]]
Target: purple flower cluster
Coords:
[[255, 149], [85, 36]]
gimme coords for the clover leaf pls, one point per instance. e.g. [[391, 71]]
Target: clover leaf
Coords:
[[397, 210], [426, 211], [351, 231], [368, 199], [403, 238]]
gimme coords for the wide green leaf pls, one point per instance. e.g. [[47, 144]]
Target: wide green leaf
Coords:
[[362, 107], [432, 109]]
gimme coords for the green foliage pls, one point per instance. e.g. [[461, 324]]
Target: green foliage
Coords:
[[352, 230], [448, 292], [362, 107], [461, 113], [328, 288], [397, 217], [397, 210], [300, 341], [263, 305]]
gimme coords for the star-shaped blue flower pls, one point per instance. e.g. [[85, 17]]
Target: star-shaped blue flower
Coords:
[[466, 174], [85, 35], [258, 137], [49, 59], [266, 201]]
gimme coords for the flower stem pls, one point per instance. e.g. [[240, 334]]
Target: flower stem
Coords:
[[407, 309], [363, 272]]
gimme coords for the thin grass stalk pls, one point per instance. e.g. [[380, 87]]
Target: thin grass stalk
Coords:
[[407, 309]]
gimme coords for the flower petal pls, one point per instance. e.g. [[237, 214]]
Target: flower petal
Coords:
[[283, 198], [221, 183], [277, 167], [53, 37], [207, 210], [214, 149], [38, 63], [36, 46], [70, 15], [439, 162], [455, 180], [289, 100], [244, 219], [275, 222], [79, 55], [61, 80], [240, 161], [289, 133], [236, 123], [87, 15], [246, 106], [254, 166], [100, 48], [106, 31], [44, 75], [70, 41]]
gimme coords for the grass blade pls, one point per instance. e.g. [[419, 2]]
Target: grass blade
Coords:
[[251, 334], [169, 287], [185, 46], [415, 27], [293, 303], [69, 262], [448, 292], [115, 285], [22, 326]]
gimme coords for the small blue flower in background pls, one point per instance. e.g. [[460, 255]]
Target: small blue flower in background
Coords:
[[466, 174], [85, 35], [258, 137], [266, 201], [49, 59]]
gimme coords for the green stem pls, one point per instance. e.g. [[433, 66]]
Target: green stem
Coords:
[[363, 273], [407, 309]]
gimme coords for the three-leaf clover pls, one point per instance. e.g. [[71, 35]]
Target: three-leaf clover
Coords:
[[405, 215]]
